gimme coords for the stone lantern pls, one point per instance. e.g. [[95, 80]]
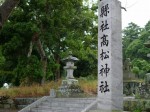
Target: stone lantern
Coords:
[[70, 60], [70, 65], [70, 84]]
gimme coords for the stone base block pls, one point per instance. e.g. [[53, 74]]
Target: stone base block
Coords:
[[69, 82]]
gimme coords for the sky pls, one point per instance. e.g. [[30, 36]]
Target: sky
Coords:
[[138, 12]]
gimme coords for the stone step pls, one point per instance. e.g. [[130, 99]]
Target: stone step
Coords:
[[53, 103], [93, 111], [40, 110], [63, 108], [70, 99], [66, 105], [21, 106], [52, 111], [23, 102], [101, 111], [62, 105], [55, 110]]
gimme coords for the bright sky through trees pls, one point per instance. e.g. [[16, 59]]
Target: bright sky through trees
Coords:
[[137, 12]]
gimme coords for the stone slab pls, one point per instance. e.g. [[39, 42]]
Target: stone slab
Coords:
[[110, 73]]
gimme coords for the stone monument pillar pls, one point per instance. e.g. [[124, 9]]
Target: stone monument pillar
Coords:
[[110, 74]]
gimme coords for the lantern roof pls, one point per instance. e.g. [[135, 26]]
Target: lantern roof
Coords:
[[70, 58]]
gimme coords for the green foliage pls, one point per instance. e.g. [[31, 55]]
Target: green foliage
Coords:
[[2, 58], [28, 71], [62, 25], [136, 106], [130, 33], [135, 70], [1, 1], [140, 67], [134, 48], [137, 110], [5, 76]]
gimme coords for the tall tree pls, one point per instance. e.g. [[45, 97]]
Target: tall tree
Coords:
[[136, 50], [130, 33], [43, 31]]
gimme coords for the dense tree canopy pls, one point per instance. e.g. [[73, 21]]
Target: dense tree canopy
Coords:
[[134, 39], [39, 33]]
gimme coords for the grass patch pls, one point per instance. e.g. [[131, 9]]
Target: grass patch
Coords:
[[88, 86], [30, 91]]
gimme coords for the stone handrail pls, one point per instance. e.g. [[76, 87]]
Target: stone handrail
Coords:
[[26, 109], [90, 106]]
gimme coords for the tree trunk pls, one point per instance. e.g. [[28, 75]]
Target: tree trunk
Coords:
[[57, 72], [5, 10], [41, 51], [30, 49], [43, 59]]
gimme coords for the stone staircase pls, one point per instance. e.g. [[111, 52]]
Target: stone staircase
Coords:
[[48, 104], [51, 104], [21, 103]]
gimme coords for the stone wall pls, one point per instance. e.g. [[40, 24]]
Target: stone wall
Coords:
[[17, 103], [7, 104]]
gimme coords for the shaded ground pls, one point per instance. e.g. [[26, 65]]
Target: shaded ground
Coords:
[[8, 110]]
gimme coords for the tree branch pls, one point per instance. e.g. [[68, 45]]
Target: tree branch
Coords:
[[5, 10]]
